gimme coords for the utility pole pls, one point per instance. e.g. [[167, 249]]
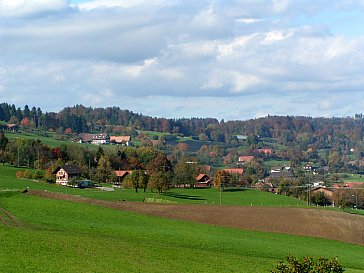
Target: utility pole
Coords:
[[18, 154], [38, 158], [308, 194], [220, 193], [356, 200]]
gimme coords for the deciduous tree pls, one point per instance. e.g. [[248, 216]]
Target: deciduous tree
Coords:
[[103, 171]]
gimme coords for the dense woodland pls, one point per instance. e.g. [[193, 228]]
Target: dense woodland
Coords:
[[320, 132]]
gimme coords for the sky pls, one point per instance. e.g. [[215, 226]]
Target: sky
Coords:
[[227, 59]]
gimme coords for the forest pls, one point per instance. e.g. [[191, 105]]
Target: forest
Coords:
[[320, 132]]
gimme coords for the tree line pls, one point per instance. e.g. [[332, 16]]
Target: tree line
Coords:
[[287, 130]]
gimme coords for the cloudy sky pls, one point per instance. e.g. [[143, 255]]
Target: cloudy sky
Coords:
[[228, 59]]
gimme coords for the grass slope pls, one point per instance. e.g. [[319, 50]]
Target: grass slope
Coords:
[[61, 236]]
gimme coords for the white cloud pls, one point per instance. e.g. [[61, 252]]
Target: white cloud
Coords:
[[9, 8], [253, 57], [124, 4], [243, 81], [277, 35], [280, 5], [248, 20]]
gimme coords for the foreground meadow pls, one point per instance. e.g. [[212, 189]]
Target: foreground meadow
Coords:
[[60, 236]]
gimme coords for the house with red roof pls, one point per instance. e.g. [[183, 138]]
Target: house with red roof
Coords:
[[120, 140], [329, 194], [236, 171], [245, 158], [266, 151], [121, 176], [202, 181]]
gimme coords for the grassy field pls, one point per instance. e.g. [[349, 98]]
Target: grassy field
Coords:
[[354, 178], [61, 236], [51, 141], [276, 163], [184, 196]]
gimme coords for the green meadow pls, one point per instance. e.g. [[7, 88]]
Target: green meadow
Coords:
[[51, 140], [62, 236]]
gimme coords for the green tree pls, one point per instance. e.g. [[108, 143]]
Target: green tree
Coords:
[[139, 179], [104, 171], [185, 171], [99, 153], [160, 171], [320, 199], [3, 141], [4, 156], [143, 180], [160, 180], [335, 162]]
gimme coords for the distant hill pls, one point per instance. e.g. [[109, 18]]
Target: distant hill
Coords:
[[302, 132]]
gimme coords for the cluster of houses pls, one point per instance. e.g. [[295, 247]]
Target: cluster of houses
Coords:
[[104, 139], [66, 173]]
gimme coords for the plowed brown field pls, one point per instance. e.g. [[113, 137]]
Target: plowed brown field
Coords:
[[308, 222]]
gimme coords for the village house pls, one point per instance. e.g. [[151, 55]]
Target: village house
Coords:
[[279, 175], [65, 173], [266, 151], [266, 186], [235, 177], [101, 138], [245, 159], [121, 140], [202, 181], [329, 194], [9, 127], [235, 171], [121, 176], [307, 167]]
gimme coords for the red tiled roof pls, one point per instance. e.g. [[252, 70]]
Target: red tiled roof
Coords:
[[120, 139], [246, 158], [265, 150], [234, 171], [201, 176], [122, 173]]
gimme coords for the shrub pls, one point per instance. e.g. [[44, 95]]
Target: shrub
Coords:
[[308, 265], [24, 174]]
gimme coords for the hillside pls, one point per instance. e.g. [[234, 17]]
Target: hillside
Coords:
[[77, 237]]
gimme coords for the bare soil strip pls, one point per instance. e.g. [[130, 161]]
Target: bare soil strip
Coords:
[[306, 222]]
